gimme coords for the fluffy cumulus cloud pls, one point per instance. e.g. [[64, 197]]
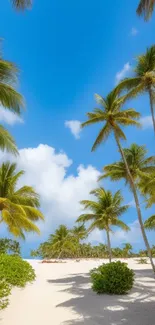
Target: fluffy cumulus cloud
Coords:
[[134, 31], [75, 127], [60, 192], [9, 117], [122, 73], [146, 122]]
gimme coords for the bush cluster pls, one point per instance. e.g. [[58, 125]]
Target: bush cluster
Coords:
[[13, 272], [112, 278]]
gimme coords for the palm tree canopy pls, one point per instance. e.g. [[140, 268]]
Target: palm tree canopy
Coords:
[[105, 211], [9, 97], [19, 207], [150, 223], [144, 75], [79, 232], [137, 162], [21, 4], [145, 8], [147, 187], [111, 116]]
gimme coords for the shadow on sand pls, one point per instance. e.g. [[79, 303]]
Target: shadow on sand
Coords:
[[136, 308]]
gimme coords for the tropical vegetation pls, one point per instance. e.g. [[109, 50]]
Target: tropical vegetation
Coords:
[[113, 117], [145, 8], [21, 4], [19, 207], [112, 278], [105, 213]]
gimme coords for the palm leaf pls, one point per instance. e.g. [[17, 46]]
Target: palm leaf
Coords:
[[7, 142]]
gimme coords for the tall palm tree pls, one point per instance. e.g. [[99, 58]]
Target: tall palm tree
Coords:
[[21, 4], [145, 8], [105, 214], [143, 80], [112, 118], [19, 207], [9, 99]]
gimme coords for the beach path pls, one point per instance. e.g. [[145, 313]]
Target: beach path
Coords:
[[62, 295]]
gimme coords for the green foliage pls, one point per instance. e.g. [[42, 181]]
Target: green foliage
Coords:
[[5, 290], [112, 278], [19, 207], [21, 4], [15, 271], [142, 261], [9, 246], [145, 8]]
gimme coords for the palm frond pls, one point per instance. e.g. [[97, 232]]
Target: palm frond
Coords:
[[102, 136], [150, 223], [7, 142], [10, 98], [21, 4], [145, 8]]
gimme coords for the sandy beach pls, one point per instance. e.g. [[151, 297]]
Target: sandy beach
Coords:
[[62, 295]]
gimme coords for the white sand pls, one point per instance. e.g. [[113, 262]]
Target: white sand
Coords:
[[62, 295]]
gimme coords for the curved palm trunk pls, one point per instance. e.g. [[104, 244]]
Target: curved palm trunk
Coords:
[[109, 246], [151, 107], [137, 203]]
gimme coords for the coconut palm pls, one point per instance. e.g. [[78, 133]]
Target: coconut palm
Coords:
[[79, 232], [113, 118], [137, 162], [9, 99], [62, 241], [145, 8], [143, 80], [19, 207], [105, 214], [21, 4]]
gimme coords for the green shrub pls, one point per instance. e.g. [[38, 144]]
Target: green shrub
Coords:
[[112, 278], [5, 290], [9, 246], [142, 261], [15, 271]]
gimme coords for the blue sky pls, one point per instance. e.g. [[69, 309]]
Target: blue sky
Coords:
[[67, 51]]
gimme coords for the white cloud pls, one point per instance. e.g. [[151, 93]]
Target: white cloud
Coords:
[[134, 31], [9, 117], [133, 236], [122, 73], [75, 127], [146, 122], [60, 191]]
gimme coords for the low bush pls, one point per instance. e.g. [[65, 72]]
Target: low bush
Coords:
[[15, 271], [112, 278], [5, 290]]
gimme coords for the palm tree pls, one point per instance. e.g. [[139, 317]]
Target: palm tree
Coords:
[[137, 162], [113, 117], [62, 241], [105, 213], [9, 99], [144, 79], [145, 8], [21, 4], [127, 249], [19, 207]]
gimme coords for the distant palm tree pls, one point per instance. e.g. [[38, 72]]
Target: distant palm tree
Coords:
[[19, 207], [62, 241], [21, 4], [105, 214], [79, 232], [144, 79], [9, 99], [145, 8], [113, 118]]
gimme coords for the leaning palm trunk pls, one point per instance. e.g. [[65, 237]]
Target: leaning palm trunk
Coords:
[[132, 184], [109, 246], [151, 106]]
